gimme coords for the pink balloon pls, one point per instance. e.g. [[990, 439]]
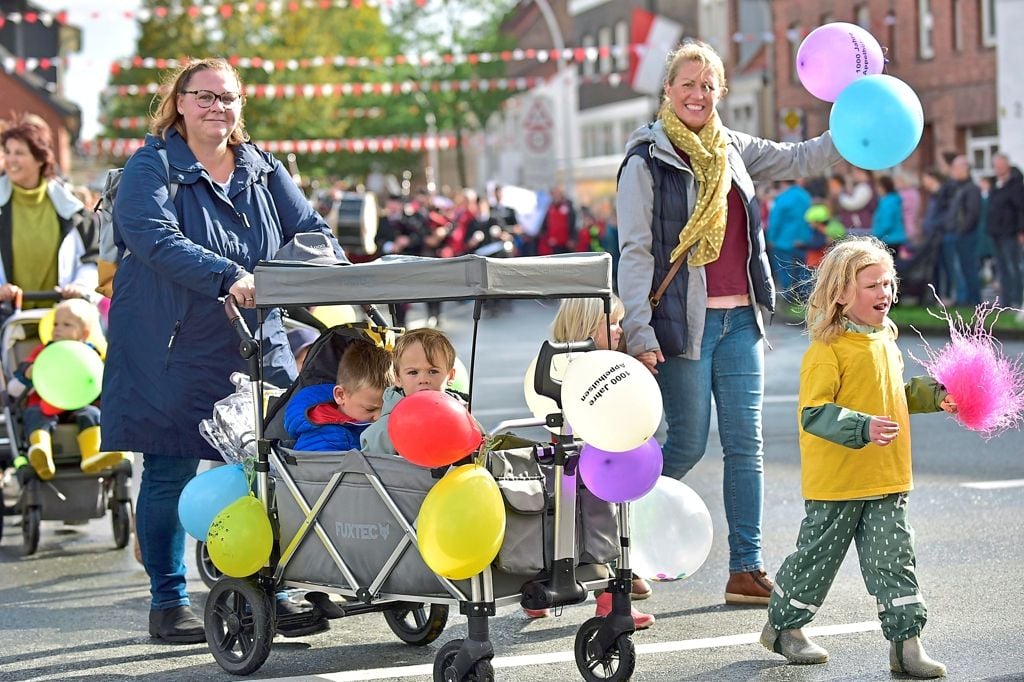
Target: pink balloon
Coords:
[[104, 307], [621, 476], [834, 55]]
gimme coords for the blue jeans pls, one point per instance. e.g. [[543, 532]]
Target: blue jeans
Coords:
[[731, 367], [790, 273], [968, 289], [161, 534], [1008, 267]]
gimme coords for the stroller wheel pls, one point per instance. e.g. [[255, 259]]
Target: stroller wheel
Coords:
[[444, 670], [30, 531], [417, 624], [239, 620], [121, 521], [616, 664], [207, 571]]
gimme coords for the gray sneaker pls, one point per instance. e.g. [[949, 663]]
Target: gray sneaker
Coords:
[[793, 644], [909, 657]]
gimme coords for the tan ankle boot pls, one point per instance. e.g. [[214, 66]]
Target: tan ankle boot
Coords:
[[40, 454], [793, 644], [94, 461], [909, 657]]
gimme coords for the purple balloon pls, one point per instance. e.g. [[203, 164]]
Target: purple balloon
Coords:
[[621, 476], [834, 55]]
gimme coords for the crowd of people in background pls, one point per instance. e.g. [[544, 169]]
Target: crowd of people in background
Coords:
[[960, 233]]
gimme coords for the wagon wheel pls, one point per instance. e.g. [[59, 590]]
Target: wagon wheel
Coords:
[[30, 530], [121, 521], [482, 670], [615, 666], [207, 570], [239, 621], [417, 624]]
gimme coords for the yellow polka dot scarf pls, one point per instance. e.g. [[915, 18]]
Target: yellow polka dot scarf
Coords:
[[707, 152]]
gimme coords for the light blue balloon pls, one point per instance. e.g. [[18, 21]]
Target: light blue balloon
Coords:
[[207, 495], [876, 122]]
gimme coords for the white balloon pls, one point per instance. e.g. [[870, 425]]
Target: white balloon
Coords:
[[670, 532], [541, 406], [611, 400]]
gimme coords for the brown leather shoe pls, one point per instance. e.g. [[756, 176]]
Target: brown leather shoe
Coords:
[[749, 588]]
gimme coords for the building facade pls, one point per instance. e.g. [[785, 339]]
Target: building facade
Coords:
[[35, 84], [944, 50]]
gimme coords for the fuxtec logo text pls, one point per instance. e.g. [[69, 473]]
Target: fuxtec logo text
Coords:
[[362, 531]]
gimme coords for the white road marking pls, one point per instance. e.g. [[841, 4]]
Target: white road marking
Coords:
[[994, 485], [568, 657]]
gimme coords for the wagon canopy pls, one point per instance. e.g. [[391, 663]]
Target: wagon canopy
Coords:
[[397, 279]]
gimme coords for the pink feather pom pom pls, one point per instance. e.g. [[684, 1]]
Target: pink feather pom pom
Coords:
[[987, 386]]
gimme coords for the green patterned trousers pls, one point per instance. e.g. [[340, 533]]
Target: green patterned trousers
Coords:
[[885, 547]]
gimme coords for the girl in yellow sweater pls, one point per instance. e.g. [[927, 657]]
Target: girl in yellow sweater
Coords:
[[854, 413]]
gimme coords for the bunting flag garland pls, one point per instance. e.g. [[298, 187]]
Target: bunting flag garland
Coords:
[[225, 10], [577, 55], [313, 90], [142, 122], [123, 147], [25, 64]]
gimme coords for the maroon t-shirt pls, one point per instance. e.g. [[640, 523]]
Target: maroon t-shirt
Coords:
[[727, 276]]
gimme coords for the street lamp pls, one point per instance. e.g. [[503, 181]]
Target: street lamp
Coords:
[[559, 41]]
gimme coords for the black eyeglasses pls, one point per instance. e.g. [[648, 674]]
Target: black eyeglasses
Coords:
[[206, 98]]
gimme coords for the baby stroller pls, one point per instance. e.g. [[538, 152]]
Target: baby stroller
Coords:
[[71, 495], [344, 522]]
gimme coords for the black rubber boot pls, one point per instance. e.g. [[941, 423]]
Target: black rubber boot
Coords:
[[177, 625]]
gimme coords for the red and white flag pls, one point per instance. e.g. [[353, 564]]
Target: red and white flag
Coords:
[[652, 37]]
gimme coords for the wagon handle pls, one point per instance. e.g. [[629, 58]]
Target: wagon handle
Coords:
[[19, 299], [249, 346], [543, 384]]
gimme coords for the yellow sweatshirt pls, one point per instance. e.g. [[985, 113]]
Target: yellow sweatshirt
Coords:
[[864, 373]]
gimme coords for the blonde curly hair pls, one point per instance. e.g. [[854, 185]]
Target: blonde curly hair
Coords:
[[836, 277]]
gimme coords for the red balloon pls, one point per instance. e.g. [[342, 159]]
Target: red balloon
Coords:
[[433, 429]]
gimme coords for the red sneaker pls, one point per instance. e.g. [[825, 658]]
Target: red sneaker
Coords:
[[537, 613], [641, 621]]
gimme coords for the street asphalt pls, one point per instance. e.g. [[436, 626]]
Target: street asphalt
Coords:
[[78, 608]]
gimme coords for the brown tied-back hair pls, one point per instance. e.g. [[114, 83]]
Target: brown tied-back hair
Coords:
[[167, 116], [38, 140]]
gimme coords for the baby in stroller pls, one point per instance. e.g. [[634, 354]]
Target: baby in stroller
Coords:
[[74, 319], [332, 417], [424, 361]]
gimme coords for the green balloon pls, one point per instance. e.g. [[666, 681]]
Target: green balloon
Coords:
[[817, 214], [68, 374]]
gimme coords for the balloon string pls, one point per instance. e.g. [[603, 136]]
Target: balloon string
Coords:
[[249, 469]]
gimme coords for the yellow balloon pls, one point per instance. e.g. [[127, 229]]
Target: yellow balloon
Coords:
[[240, 538], [333, 315], [461, 524], [46, 325], [45, 331]]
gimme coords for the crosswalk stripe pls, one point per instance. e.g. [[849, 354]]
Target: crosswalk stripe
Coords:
[[568, 657]]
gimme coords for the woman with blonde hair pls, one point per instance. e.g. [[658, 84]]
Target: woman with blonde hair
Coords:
[[694, 275], [197, 208]]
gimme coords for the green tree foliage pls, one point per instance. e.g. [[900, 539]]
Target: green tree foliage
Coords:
[[439, 27]]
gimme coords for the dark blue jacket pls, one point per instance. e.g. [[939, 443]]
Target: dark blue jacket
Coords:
[[171, 349], [319, 437]]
